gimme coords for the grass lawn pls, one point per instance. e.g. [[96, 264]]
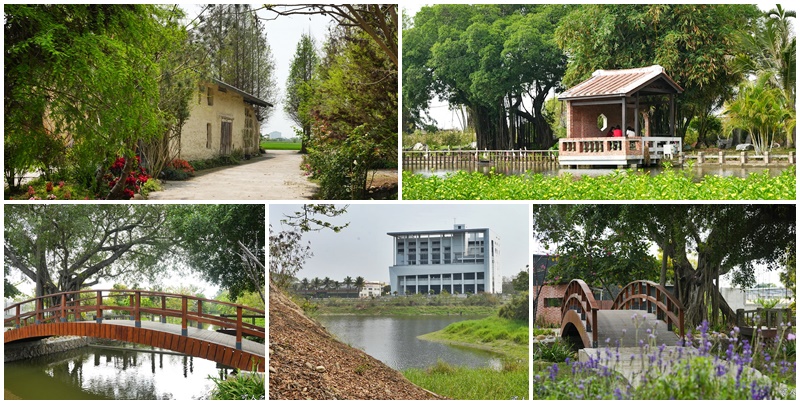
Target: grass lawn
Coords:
[[280, 145], [495, 334]]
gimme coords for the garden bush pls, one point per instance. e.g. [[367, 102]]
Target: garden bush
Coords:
[[517, 309], [622, 184]]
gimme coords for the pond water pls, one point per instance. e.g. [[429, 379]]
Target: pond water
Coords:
[[393, 340], [554, 170], [112, 374]]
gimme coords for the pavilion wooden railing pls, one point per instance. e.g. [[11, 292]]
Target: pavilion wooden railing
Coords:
[[73, 306], [455, 157], [579, 298], [653, 298]]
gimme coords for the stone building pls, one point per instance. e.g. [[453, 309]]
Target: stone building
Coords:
[[223, 119]]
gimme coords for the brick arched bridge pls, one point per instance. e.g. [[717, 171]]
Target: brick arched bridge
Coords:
[[645, 303], [171, 321]]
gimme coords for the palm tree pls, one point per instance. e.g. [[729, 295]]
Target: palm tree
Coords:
[[337, 284], [770, 54], [359, 282], [305, 283], [348, 281], [758, 109], [326, 283], [315, 283]]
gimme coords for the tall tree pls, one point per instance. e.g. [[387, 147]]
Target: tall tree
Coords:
[[238, 51], [378, 21], [359, 283], [69, 247], [727, 240], [770, 54], [494, 59], [693, 42], [209, 235], [299, 86], [87, 77]]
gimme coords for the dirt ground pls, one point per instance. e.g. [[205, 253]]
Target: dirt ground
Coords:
[[276, 176], [307, 362]]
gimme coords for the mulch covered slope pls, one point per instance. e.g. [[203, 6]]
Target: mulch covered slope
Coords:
[[307, 362]]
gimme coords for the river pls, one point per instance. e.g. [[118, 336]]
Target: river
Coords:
[[393, 340], [112, 374]]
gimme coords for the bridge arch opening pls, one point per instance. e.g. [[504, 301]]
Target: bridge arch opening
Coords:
[[571, 335]]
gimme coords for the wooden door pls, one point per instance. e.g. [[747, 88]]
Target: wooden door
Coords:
[[225, 139]]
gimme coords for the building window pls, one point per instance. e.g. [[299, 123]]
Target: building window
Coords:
[[480, 275], [209, 96], [469, 275], [208, 136], [553, 302], [200, 91], [457, 277]]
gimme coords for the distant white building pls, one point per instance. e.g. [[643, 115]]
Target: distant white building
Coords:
[[371, 289], [459, 261], [274, 135]]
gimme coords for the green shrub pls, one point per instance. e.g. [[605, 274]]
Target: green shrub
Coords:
[[557, 351], [152, 185], [248, 386], [517, 309], [622, 184]]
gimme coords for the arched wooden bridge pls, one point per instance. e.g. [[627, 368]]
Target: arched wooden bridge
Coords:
[[645, 303], [95, 313]]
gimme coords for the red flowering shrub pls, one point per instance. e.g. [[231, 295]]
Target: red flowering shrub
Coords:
[[133, 180], [178, 169]]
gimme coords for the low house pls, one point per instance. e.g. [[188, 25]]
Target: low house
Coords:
[[608, 118], [222, 120]]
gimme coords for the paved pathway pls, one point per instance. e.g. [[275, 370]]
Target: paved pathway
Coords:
[[276, 176]]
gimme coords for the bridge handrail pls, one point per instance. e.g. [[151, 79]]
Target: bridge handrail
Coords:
[[62, 311], [578, 292], [670, 309]]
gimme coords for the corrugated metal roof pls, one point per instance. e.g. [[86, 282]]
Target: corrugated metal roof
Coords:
[[604, 83]]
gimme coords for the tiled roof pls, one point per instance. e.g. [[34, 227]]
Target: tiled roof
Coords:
[[619, 82]]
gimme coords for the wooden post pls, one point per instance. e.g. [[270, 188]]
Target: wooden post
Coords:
[[766, 157], [701, 158], [163, 309], [743, 158], [131, 304], [721, 157], [791, 157], [63, 308], [199, 314], [99, 304], [595, 331], [17, 321], [239, 327], [137, 314], [184, 332]]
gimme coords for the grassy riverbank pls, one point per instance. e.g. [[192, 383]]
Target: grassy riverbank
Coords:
[[506, 337], [476, 305]]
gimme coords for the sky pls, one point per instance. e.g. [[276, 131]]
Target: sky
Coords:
[[283, 34], [364, 248]]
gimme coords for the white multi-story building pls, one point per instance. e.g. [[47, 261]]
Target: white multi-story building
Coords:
[[459, 261], [371, 289]]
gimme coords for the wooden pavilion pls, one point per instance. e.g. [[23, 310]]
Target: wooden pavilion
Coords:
[[608, 120]]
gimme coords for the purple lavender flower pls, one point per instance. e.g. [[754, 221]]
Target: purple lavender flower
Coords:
[[553, 372], [617, 394]]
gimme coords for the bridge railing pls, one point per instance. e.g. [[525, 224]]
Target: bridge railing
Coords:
[[578, 297], [74, 306], [653, 298]]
